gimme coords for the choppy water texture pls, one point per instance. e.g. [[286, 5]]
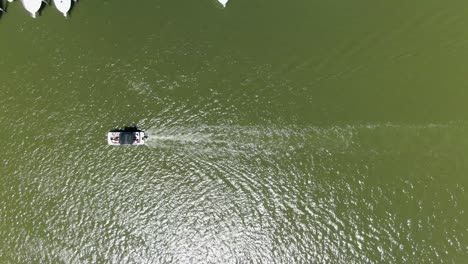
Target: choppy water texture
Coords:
[[298, 132]]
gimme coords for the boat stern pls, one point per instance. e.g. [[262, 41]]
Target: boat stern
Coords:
[[63, 6], [32, 6], [139, 138]]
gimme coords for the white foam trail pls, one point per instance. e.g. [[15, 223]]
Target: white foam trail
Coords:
[[181, 138], [237, 138]]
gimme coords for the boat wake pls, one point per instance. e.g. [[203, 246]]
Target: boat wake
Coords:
[[257, 139], [250, 141]]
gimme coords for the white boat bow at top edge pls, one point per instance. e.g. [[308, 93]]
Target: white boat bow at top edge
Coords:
[[223, 2], [63, 6], [32, 6]]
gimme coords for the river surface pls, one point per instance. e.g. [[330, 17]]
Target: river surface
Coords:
[[299, 131]]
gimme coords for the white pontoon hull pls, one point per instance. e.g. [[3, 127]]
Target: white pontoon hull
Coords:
[[223, 2], [32, 6], [63, 6], [113, 138]]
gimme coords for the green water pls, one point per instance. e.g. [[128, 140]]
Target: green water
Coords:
[[280, 132]]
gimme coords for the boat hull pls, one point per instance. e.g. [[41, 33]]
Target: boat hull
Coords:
[[32, 6], [115, 138], [63, 6], [223, 2]]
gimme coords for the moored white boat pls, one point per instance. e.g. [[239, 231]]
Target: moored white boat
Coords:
[[63, 6], [223, 2], [32, 6]]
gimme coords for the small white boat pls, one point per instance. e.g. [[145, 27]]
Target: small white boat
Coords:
[[117, 138], [223, 2], [63, 6], [32, 6], [10, 1]]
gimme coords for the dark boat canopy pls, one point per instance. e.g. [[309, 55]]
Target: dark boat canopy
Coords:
[[127, 138]]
